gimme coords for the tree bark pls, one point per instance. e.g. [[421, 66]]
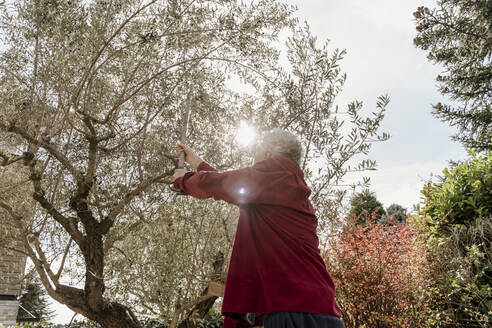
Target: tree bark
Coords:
[[202, 308], [116, 315]]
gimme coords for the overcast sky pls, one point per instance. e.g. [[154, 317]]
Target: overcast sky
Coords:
[[381, 59]]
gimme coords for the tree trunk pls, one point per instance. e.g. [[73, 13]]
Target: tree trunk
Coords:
[[116, 315], [201, 309]]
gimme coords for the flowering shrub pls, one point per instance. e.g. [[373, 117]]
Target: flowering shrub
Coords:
[[377, 272]]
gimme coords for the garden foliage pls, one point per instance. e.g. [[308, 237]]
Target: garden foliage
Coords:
[[456, 217], [457, 35], [365, 204], [377, 270], [91, 98]]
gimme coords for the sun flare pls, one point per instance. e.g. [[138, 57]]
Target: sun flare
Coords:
[[245, 134]]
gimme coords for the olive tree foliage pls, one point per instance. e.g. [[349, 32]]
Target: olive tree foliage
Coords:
[[91, 96], [164, 264], [337, 138], [457, 34]]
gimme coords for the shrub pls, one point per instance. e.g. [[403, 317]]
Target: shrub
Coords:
[[460, 269], [376, 268], [463, 194], [456, 217], [397, 213]]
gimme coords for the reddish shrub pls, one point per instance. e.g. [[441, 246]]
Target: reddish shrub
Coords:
[[378, 273]]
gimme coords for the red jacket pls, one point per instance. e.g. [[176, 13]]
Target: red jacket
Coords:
[[275, 263]]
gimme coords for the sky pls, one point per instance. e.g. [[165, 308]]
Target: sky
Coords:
[[381, 59]]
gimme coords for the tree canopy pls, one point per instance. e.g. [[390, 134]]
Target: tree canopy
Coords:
[[397, 212], [457, 34], [91, 99], [364, 205]]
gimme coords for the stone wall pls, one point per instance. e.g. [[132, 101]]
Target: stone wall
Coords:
[[8, 312]]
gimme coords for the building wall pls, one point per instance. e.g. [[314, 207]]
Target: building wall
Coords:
[[12, 266], [8, 312]]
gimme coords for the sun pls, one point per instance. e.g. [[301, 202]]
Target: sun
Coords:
[[245, 134]]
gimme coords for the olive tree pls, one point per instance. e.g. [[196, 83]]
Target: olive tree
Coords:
[[167, 262], [91, 94], [337, 137], [92, 98]]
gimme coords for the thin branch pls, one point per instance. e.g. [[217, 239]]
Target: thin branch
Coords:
[[10, 160], [156, 75], [49, 147], [92, 158], [62, 264], [7, 70], [71, 320], [9, 210], [98, 55], [109, 220], [121, 98], [23, 252], [235, 62], [44, 261], [40, 268], [195, 302], [67, 223]]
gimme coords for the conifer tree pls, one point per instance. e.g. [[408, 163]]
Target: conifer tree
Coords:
[[365, 203], [457, 34], [397, 213], [34, 303]]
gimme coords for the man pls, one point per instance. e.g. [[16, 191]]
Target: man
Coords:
[[276, 275]]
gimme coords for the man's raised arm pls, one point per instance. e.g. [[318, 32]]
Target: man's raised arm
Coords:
[[237, 187]]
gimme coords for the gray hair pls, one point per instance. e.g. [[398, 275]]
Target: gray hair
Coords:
[[281, 142]]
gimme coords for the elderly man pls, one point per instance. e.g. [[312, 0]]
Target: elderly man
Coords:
[[276, 275]]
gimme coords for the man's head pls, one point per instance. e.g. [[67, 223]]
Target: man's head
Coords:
[[279, 142]]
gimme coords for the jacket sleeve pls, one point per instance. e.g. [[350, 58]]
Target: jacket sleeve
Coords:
[[238, 187], [204, 166]]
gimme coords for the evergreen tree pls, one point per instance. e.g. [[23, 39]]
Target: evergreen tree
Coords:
[[457, 34], [397, 213], [34, 302], [364, 204]]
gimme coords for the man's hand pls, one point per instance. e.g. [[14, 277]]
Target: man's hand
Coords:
[[178, 173], [190, 157]]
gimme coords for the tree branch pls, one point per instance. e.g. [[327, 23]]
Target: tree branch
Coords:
[[43, 260], [50, 148], [99, 53], [44, 273], [67, 223], [10, 160], [106, 224], [15, 75], [62, 264]]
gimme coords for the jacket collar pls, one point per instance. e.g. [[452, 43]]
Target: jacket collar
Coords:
[[288, 164]]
